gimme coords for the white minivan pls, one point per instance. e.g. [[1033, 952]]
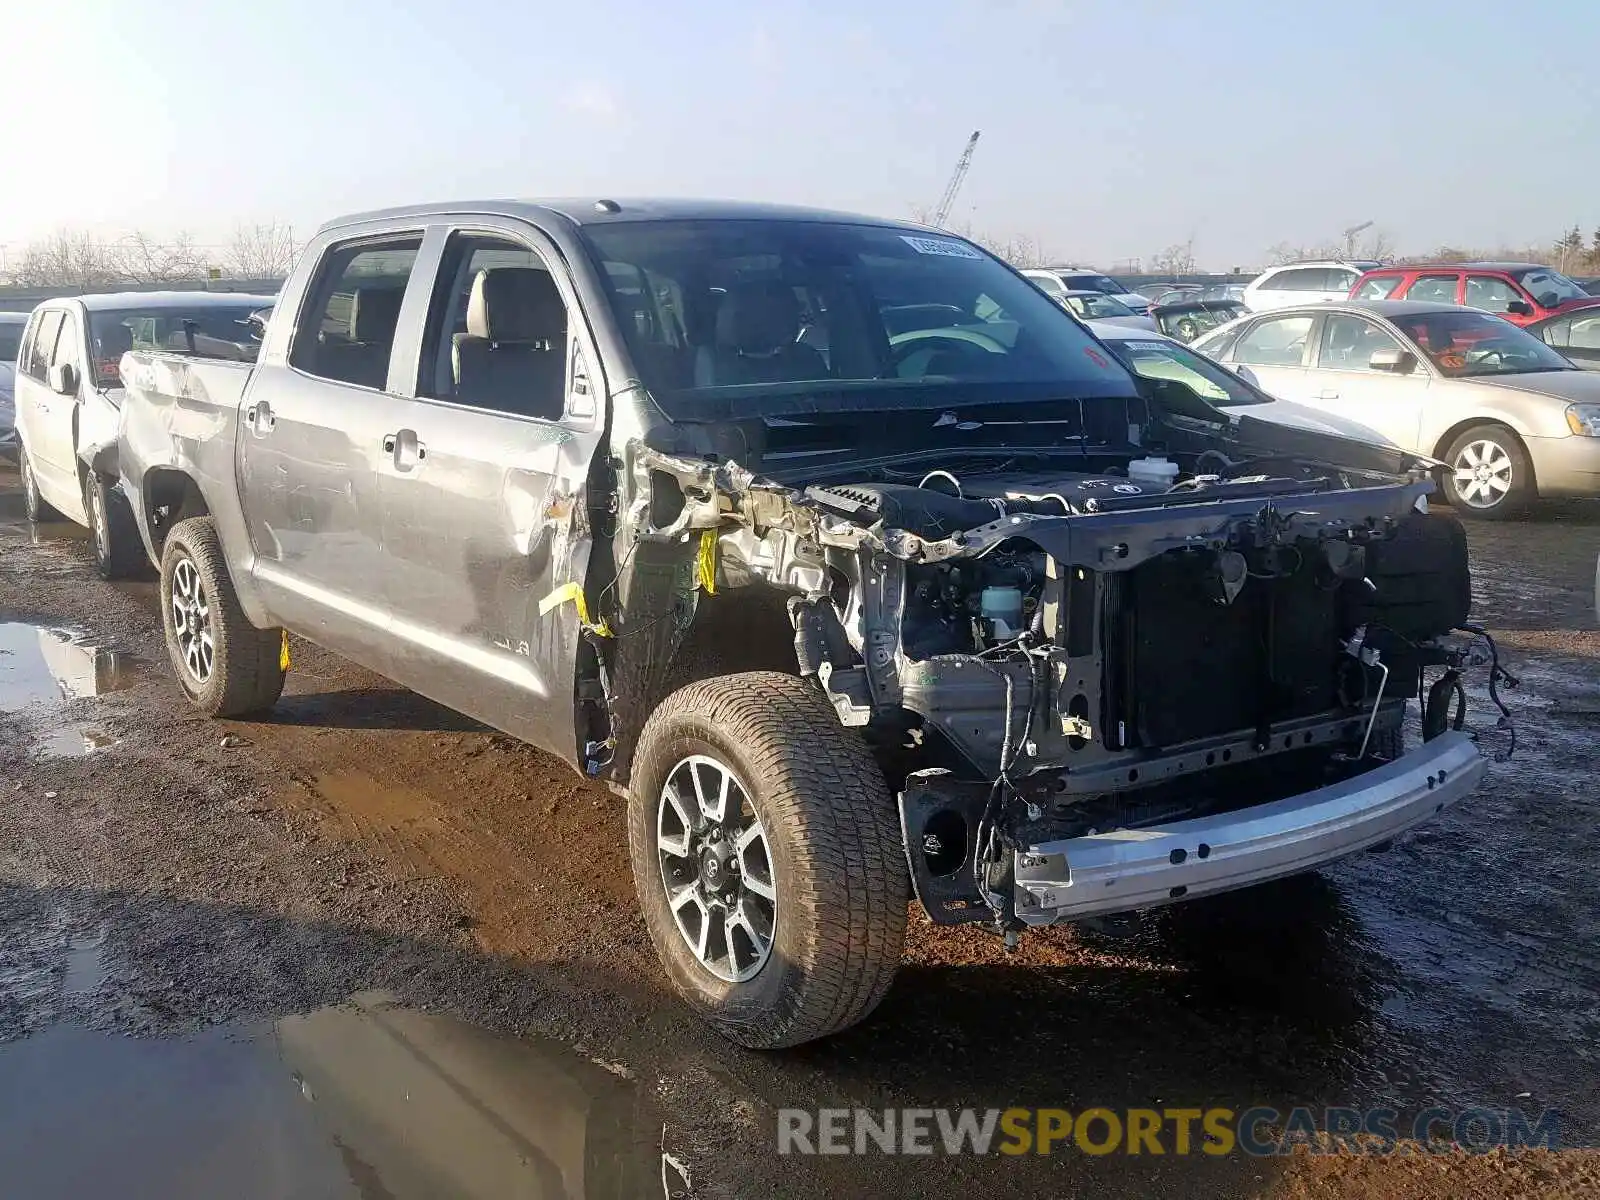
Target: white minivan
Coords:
[[1303, 283], [68, 391]]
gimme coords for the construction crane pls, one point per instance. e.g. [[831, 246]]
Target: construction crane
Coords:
[[946, 201]]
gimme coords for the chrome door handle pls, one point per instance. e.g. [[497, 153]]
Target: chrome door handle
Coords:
[[259, 417], [406, 450]]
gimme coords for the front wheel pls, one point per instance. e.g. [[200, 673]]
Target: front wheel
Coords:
[[1490, 474], [767, 858], [228, 667]]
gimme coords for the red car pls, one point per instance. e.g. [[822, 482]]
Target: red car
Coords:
[[1522, 293]]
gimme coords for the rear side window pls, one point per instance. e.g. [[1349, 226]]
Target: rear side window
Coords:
[[1434, 289], [43, 345], [1050, 284], [347, 327], [1276, 342], [1490, 293], [1298, 279], [10, 341], [1380, 287]]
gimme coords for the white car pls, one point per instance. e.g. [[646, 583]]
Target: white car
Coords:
[[1058, 281], [1303, 283], [1097, 308], [1514, 420], [1156, 356], [11, 327], [69, 392]]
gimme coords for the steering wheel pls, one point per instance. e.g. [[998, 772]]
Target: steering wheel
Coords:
[[1488, 358], [902, 344]]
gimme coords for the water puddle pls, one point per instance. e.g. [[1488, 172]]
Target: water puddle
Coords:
[[44, 666], [365, 1100], [86, 965]]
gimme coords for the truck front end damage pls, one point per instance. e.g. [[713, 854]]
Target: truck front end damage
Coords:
[[1095, 691]]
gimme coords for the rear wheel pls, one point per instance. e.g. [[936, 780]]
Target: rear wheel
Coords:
[[767, 858], [228, 667], [32, 502], [118, 552], [1490, 474]]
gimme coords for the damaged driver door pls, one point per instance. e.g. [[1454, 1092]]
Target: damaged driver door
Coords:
[[483, 485]]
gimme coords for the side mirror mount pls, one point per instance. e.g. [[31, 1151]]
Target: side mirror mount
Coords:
[[1519, 308], [1246, 374], [1394, 360], [64, 379]]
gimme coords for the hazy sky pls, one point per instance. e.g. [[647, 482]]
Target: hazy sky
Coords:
[[1111, 128]]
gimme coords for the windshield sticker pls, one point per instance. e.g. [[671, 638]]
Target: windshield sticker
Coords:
[[942, 246], [1155, 347]]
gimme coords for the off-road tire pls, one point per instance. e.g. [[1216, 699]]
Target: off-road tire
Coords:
[[247, 673], [33, 504], [837, 862], [1522, 491], [113, 532]]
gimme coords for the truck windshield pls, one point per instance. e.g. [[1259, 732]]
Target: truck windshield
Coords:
[[220, 331], [732, 318]]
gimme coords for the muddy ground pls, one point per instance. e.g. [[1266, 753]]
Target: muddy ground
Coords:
[[187, 908]]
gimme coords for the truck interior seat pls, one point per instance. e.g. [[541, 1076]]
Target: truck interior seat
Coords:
[[513, 355], [754, 341], [364, 358]]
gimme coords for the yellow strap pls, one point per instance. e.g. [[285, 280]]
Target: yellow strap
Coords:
[[573, 592], [283, 652], [707, 561]]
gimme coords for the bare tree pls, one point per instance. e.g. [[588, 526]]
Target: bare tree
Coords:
[[142, 259], [69, 259], [262, 251], [1177, 259], [1378, 246], [1288, 252]]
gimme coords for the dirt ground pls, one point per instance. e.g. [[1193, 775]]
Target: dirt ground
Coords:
[[187, 908]]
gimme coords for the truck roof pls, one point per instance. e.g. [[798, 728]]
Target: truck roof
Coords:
[[600, 210]]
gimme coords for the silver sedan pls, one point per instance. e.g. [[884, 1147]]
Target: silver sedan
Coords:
[[1514, 420]]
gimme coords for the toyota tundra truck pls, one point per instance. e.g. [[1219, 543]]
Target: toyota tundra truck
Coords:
[[857, 566]]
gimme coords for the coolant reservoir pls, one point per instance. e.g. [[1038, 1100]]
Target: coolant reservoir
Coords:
[[1003, 607], [1157, 472]]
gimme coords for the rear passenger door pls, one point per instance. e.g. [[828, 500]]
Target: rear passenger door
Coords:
[[312, 447], [486, 510]]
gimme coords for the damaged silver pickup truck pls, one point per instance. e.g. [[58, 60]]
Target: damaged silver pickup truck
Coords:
[[859, 566]]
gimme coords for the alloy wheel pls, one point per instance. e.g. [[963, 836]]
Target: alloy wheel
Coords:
[[1484, 473], [716, 867], [191, 621]]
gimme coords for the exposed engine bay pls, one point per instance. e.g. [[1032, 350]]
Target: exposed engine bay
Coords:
[[1043, 652]]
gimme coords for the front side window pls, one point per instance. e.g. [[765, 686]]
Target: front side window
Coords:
[[746, 317], [1098, 306], [1050, 284], [1340, 279], [1434, 289], [347, 327], [497, 330], [1348, 343], [43, 344], [66, 351], [1275, 342], [1166, 360], [1490, 293], [1095, 283], [1468, 344]]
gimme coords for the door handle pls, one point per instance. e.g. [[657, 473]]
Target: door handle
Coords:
[[1327, 394], [407, 452], [260, 418]]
